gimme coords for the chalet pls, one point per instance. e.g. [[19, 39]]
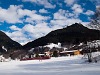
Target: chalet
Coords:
[[69, 53]]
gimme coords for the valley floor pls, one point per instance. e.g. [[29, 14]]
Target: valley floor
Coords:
[[74, 65]]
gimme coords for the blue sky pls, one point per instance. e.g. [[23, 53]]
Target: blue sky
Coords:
[[27, 20]]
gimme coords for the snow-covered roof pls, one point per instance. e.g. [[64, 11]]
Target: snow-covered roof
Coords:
[[80, 44], [70, 51], [41, 54], [51, 45]]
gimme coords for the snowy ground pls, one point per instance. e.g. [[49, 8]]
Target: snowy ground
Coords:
[[54, 66]]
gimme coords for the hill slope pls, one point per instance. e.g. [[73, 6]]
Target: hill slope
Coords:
[[73, 34], [7, 42]]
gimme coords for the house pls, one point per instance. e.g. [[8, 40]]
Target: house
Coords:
[[69, 53], [48, 53]]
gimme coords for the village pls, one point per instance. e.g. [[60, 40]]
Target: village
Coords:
[[56, 50], [49, 37]]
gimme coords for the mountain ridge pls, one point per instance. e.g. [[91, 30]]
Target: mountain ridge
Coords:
[[70, 35]]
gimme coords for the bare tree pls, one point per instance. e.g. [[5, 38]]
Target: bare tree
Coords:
[[89, 54]]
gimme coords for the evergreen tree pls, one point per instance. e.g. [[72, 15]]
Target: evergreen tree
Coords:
[[55, 53]]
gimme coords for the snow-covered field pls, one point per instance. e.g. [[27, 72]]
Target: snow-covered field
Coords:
[[73, 65]]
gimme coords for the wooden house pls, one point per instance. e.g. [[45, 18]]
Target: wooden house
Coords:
[[71, 52]]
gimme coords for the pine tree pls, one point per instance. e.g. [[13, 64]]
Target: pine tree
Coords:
[[55, 53]]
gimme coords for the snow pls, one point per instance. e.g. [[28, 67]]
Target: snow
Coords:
[[95, 43], [4, 48], [95, 54], [74, 65], [80, 44], [51, 45]]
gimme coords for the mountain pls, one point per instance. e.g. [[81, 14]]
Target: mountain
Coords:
[[8, 43], [73, 34]]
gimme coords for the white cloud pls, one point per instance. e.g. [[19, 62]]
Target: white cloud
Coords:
[[64, 14], [33, 17], [25, 12], [43, 11], [29, 32], [44, 3], [85, 23], [37, 17], [69, 2], [60, 14], [89, 12], [62, 23], [15, 14], [13, 27], [9, 15], [38, 30], [29, 28], [77, 8], [18, 36], [63, 18]]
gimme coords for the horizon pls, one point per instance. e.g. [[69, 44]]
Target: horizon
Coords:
[[26, 20]]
